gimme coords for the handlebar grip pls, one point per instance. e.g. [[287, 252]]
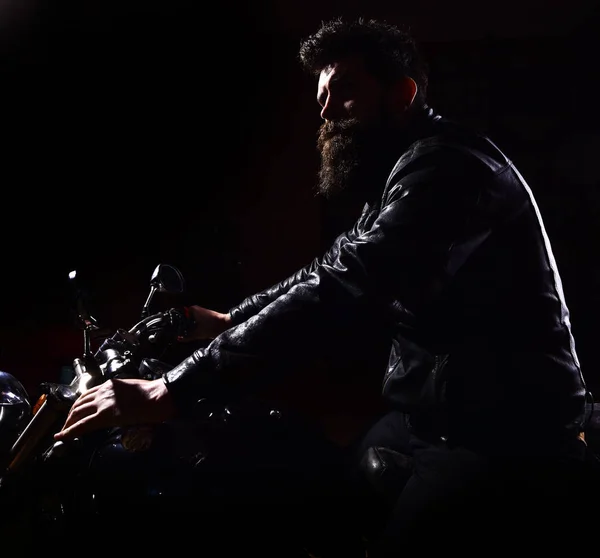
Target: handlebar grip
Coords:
[[190, 322], [184, 320]]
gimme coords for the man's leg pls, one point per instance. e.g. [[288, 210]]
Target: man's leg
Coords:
[[442, 505]]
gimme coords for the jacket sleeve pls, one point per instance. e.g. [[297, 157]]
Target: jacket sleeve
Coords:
[[256, 302], [404, 255]]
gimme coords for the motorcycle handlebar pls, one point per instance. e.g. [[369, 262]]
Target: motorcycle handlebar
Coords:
[[177, 320], [172, 323], [161, 326]]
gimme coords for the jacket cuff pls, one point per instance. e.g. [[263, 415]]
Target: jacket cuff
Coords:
[[236, 315], [190, 386]]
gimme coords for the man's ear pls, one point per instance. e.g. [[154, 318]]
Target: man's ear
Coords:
[[404, 91]]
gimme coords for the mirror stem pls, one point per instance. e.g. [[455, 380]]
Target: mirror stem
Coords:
[[146, 307]]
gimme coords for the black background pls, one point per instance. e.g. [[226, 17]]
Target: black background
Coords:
[[135, 133]]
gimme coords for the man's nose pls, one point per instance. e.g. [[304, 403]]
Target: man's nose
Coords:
[[330, 110]]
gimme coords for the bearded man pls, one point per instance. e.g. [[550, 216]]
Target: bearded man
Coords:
[[450, 261]]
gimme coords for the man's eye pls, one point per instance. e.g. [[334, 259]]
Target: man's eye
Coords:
[[347, 87]]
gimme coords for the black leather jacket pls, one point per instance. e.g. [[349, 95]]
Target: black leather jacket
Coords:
[[451, 260]]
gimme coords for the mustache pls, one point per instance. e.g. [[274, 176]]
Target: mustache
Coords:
[[329, 130]]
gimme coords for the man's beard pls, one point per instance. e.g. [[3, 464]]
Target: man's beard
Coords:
[[353, 156]]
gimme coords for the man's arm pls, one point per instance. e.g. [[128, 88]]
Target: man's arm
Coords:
[[426, 228], [255, 303]]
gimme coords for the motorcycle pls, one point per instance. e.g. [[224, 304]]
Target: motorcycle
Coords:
[[241, 477], [190, 477]]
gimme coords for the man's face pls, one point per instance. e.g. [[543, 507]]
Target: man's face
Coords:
[[357, 120]]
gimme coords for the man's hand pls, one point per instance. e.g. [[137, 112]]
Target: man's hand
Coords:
[[118, 403], [209, 324]]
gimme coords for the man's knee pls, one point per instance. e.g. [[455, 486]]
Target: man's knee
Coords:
[[385, 472]]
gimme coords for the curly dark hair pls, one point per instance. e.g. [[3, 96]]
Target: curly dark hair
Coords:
[[390, 52]]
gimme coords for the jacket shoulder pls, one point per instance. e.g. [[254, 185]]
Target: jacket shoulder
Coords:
[[450, 142]]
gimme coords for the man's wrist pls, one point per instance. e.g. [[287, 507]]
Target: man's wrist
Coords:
[[222, 323], [179, 383]]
